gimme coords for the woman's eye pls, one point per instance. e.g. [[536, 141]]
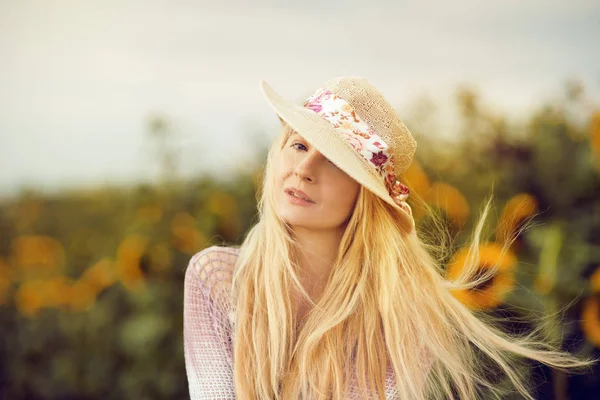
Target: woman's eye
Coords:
[[294, 145]]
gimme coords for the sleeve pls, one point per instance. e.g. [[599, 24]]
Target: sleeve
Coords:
[[206, 329]]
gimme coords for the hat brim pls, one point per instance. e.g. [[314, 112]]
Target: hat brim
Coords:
[[323, 136]]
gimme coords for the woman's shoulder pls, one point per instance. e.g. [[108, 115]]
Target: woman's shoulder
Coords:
[[212, 268], [214, 257]]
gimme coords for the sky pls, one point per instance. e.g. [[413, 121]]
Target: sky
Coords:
[[79, 80]]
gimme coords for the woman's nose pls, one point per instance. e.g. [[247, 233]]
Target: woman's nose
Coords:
[[307, 166]]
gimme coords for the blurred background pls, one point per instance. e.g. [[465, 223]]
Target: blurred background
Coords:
[[132, 135]]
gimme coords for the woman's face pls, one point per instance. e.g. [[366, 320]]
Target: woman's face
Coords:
[[332, 191]]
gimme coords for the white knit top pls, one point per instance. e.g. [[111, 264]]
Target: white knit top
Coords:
[[208, 328]]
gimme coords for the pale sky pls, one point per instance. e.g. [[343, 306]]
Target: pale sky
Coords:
[[79, 78]]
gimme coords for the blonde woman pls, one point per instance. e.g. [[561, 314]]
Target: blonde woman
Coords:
[[333, 293]]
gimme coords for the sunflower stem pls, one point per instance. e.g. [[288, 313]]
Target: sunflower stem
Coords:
[[547, 270]]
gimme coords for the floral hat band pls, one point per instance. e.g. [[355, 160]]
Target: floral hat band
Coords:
[[362, 138]]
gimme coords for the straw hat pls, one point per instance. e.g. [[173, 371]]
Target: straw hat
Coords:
[[350, 122]]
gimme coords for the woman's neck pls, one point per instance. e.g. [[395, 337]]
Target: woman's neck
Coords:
[[317, 252]]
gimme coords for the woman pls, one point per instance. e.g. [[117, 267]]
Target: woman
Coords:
[[333, 294]]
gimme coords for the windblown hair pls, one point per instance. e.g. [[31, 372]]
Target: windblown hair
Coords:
[[386, 302]]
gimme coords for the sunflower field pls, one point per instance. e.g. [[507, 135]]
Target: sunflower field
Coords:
[[91, 281]]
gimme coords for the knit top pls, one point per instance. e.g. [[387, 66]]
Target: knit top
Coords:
[[208, 328]]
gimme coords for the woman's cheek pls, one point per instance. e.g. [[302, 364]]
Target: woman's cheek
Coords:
[[285, 166]]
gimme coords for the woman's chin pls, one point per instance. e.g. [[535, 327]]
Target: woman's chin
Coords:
[[295, 216]]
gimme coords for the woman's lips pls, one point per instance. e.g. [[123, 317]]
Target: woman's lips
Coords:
[[298, 201], [299, 193]]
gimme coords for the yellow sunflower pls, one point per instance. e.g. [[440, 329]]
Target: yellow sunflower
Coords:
[[35, 255], [449, 199], [595, 280], [129, 256], [518, 209], [184, 235], [417, 178], [56, 291], [492, 292], [82, 296], [36, 294], [419, 185], [6, 279], [100, 275], [590, 319], [28, 298]]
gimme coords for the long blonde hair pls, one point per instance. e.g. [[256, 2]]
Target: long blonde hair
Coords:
[[386, 302]]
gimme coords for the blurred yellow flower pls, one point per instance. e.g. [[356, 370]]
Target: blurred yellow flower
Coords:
[[183, 219], [590, 319], [56, 291], [82, 296], [100, 275], [517, 209], [36, 255], [28, 298], [595, 280], [449, 199], [6, 280], [417, 179], [60, 292], [184, 235], [129, 255], [418, 182], [35, 294], [492, 292]]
